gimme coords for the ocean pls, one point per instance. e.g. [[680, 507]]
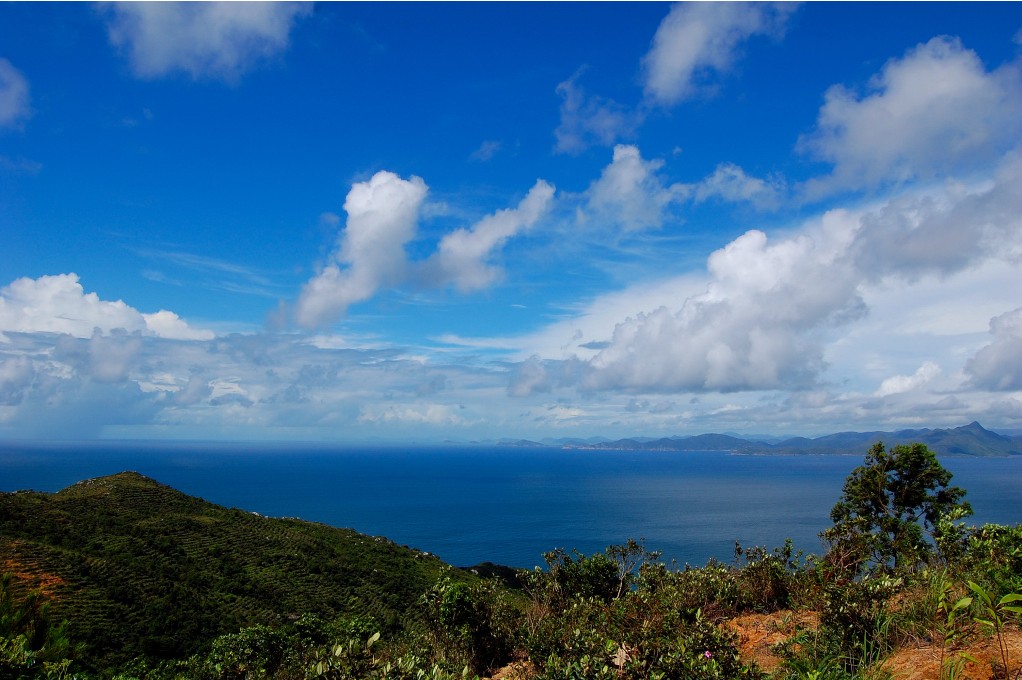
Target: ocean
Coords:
[[510, 505]]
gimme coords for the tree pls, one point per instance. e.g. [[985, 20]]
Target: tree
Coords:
[[629, 558], [890, 507]]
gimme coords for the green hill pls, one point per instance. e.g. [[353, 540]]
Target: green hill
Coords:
[[140, 568]]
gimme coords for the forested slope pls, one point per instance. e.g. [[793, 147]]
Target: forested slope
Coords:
[[140, 568]]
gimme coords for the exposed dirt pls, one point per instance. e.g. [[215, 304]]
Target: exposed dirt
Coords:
[[30, 576], [923, 662], [519, 670], [757, 633]]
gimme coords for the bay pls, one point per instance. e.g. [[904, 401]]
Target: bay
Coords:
[[509, 505]]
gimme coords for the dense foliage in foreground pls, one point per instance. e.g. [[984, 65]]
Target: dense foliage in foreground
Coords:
[[901, 565]]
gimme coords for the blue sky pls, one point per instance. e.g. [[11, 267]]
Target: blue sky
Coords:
[[418, 222]]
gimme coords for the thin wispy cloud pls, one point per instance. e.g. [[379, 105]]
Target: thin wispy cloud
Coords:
[[15, 105], [217, 274], [697, 44], [588, 119]]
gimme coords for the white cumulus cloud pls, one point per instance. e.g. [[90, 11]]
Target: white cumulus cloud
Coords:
[[629, 194], [897, 384], [935, 111], [14, 97], [203, 39], [751, 329], [463, 255], [730, 183], [944, 232], [769, 308], [59, 304], [700, 40], [383, 215], [169, 325]]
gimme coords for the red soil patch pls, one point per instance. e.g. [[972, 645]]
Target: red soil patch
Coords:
[[923, 662], [30, 576], [758, 633]]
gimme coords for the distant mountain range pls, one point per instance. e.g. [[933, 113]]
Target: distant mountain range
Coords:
[[969, 440]]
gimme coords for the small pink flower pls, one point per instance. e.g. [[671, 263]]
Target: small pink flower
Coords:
[[708, 654]]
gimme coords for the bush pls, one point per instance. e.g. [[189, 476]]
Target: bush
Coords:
[[473, 625]]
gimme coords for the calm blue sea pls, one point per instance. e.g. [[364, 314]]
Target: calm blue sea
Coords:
[[509, 505]]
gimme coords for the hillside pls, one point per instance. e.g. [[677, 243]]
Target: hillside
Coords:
[[205, 592], [140, 568]]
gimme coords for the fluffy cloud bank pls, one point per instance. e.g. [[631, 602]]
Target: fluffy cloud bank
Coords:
[[383, 215], [205, 40], [768, 307], [120, 383], [751, 329], [72, 363], [59, 304]]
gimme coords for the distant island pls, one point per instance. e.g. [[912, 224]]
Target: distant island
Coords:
[[969, 440]]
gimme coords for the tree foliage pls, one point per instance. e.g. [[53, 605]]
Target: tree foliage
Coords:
[[890, 509]]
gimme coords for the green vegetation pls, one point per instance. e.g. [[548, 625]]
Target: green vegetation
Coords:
[[156, 585], [31, 645], [140, 569], [890, 506]]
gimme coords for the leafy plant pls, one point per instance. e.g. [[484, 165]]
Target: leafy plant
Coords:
[[473, 625], [994, 556], [993, 613], [950, 627], [630, 558], [767, 580]]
